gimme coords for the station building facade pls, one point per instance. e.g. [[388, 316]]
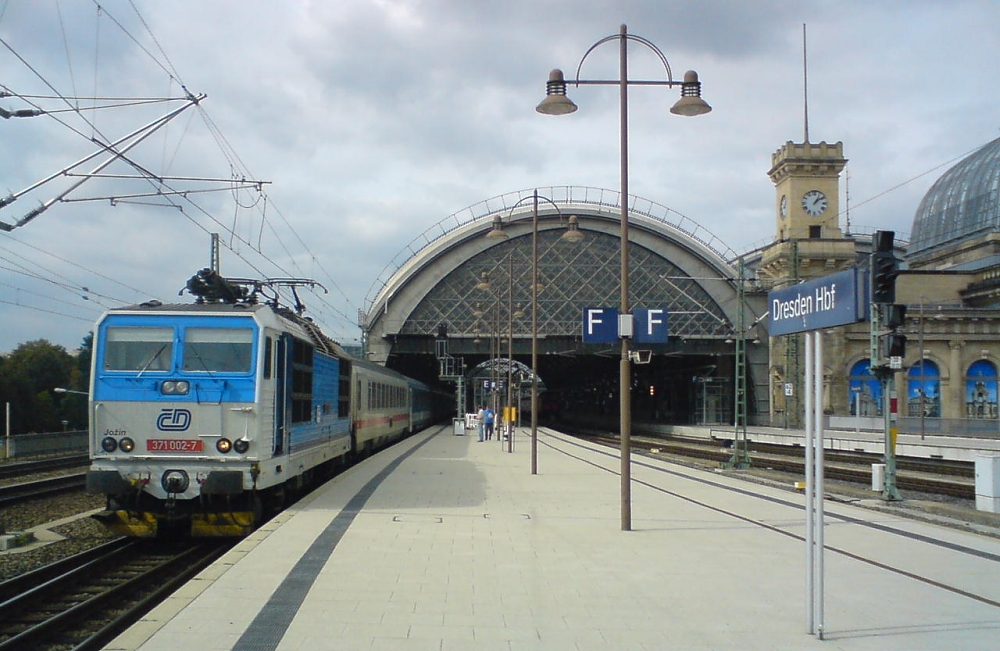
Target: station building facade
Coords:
[[455, 284], [949, 283]]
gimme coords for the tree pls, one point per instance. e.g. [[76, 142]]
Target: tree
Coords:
[[30, 373]]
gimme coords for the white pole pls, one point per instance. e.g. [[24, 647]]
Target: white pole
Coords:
[[818, 466], [807, 390], [6, 447]]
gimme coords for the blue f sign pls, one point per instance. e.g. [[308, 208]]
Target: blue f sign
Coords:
[[651, 325], [600, 325]]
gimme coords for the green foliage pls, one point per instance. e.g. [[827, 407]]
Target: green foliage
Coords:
[[28, 376]]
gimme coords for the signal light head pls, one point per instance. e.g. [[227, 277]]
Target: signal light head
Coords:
[[894, 345], [884, 270], [893, 316], [882, 240]]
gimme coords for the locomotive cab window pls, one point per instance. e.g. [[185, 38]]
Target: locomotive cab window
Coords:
[[218, 350], [138, 349]]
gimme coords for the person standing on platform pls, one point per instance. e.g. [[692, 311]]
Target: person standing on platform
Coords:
[[481, 423], [488, 417]]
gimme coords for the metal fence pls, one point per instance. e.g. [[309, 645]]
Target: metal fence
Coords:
[[974, 428], [40, 445]]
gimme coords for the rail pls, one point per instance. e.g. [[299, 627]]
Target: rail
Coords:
[[33, 490], [84, 605]]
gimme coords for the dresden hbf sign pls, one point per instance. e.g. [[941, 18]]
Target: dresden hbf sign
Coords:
[[838, 299]]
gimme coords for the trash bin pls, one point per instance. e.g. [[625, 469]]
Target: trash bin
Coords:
[[459, 425], [988, 483], [878, 476]]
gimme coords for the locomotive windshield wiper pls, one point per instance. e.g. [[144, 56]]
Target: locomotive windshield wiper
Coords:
[[201, 360], [152, 359]]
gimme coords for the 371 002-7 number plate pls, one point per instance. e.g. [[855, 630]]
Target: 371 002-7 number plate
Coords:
[[173, 445]]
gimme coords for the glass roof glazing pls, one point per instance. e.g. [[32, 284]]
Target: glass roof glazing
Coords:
[[962, 204], [571, 277]]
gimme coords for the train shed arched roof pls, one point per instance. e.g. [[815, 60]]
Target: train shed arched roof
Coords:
[[675, 263]]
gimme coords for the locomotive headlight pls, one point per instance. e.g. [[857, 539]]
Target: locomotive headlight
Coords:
[[241, 445], [224, 445], [126, 444], [175, 388], [175, 481], [109, 444]]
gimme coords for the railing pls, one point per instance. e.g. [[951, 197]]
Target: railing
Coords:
[[974, 428], [48, 444]]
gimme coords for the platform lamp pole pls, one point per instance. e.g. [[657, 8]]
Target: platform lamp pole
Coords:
[[508, 417], [572, 235], [690, 104]]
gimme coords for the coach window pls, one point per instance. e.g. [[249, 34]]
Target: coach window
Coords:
[[218, 350], [344, 392], [138, 349]]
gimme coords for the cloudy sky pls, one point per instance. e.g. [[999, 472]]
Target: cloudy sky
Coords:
[[369, 121]]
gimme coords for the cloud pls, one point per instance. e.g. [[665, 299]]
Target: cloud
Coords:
[[373, 120]]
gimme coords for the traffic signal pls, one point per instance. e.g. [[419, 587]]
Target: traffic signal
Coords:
[[884, 268], [893, 345], [893, 316]]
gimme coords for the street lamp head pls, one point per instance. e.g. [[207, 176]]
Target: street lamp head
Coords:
[[573, 234], [690, 103], [484, 283], [556, 102], [65, 390], [497, 232]]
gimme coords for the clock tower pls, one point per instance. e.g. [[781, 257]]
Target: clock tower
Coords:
[[806, 177], [808, 244]]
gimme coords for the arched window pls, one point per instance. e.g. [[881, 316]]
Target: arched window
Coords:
[[865, 390], [923, 390], [981, 390]]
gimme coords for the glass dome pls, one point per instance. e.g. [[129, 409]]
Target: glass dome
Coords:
[[961, 205]]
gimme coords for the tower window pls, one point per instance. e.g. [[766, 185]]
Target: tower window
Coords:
[[815, 232]]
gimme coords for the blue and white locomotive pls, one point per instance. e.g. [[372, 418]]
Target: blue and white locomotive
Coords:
[[206, 417]]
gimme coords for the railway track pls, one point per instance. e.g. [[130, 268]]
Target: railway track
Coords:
[[19, 469], [82, 602], [40, 488], [954, 479]]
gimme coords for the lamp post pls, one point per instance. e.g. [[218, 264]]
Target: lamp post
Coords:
[[690, 104], [65, 390], [574, 235], [485, 285]]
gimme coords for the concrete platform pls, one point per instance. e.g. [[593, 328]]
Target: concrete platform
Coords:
[[443, 543]]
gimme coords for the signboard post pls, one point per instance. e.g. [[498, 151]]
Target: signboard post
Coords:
[[809, 307]]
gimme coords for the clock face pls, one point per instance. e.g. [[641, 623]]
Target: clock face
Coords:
[[814, 202], [784, 206]]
